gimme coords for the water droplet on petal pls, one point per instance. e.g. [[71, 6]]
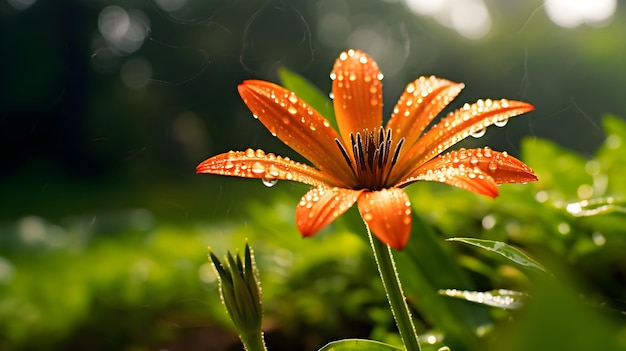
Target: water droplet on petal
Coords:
[[333, 76], [492, 166], [269, 182], [501, 123], [331, 96], [292, 109], [368, 216], [479, 133], [293, 98], [257, 168]]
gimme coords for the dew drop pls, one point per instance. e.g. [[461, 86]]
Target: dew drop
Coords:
[[479, 133], [380, 76], [293, 98], [229, 165], [292, 109], [257, 168], [492, 166], [410, 88], [331, 96], [333, 76], [368, 216], [269, 182], [501, 123]]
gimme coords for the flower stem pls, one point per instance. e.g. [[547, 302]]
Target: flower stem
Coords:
[[253, 342], [395, 295]]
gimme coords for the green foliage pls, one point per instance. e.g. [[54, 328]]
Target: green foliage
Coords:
[[501, 248], [358, 345]]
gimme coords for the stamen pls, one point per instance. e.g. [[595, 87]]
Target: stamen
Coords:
[[360, 151], [371, 156], [397, 152], [371, 150], [344, 152], [382, 155]]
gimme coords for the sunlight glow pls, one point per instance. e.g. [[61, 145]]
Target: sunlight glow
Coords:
[[573, 13], [470, 18]]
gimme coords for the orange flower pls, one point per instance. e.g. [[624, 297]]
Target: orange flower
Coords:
[[364, 162]]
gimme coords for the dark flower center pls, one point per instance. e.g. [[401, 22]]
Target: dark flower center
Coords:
[[374, 156]]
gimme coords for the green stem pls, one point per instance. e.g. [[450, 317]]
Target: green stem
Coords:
[[395, 295], [253, 342]]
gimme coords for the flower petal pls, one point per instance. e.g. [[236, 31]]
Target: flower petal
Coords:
[[457, 126], [321, 205], [469, 178], [387, 213], [257, 164], [357, 91], [298, 125], [420, 103], [498, 165]]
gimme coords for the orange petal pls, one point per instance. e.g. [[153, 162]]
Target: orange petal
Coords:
[[257, 164], [298, 125], [498, 165], [457, 126], [420, 103], [357, 91], [321, 205], [387, 213], [459, 175]]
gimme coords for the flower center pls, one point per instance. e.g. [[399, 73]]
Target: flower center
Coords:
[[373, 156]]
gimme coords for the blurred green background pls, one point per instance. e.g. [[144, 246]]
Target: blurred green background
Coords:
[[106, 107]]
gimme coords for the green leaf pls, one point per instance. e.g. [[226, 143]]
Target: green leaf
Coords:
[[594, 207], [358, 345], [309, 93], [503, 249], [506, 299]]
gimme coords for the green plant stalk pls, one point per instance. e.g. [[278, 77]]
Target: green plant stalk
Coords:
[[395, 295], [253, 342]]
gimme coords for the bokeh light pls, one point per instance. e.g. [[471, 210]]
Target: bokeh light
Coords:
[[171, 5], [469, 18], [21, 4], [123, 30], [573, 13], [136, 72]]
